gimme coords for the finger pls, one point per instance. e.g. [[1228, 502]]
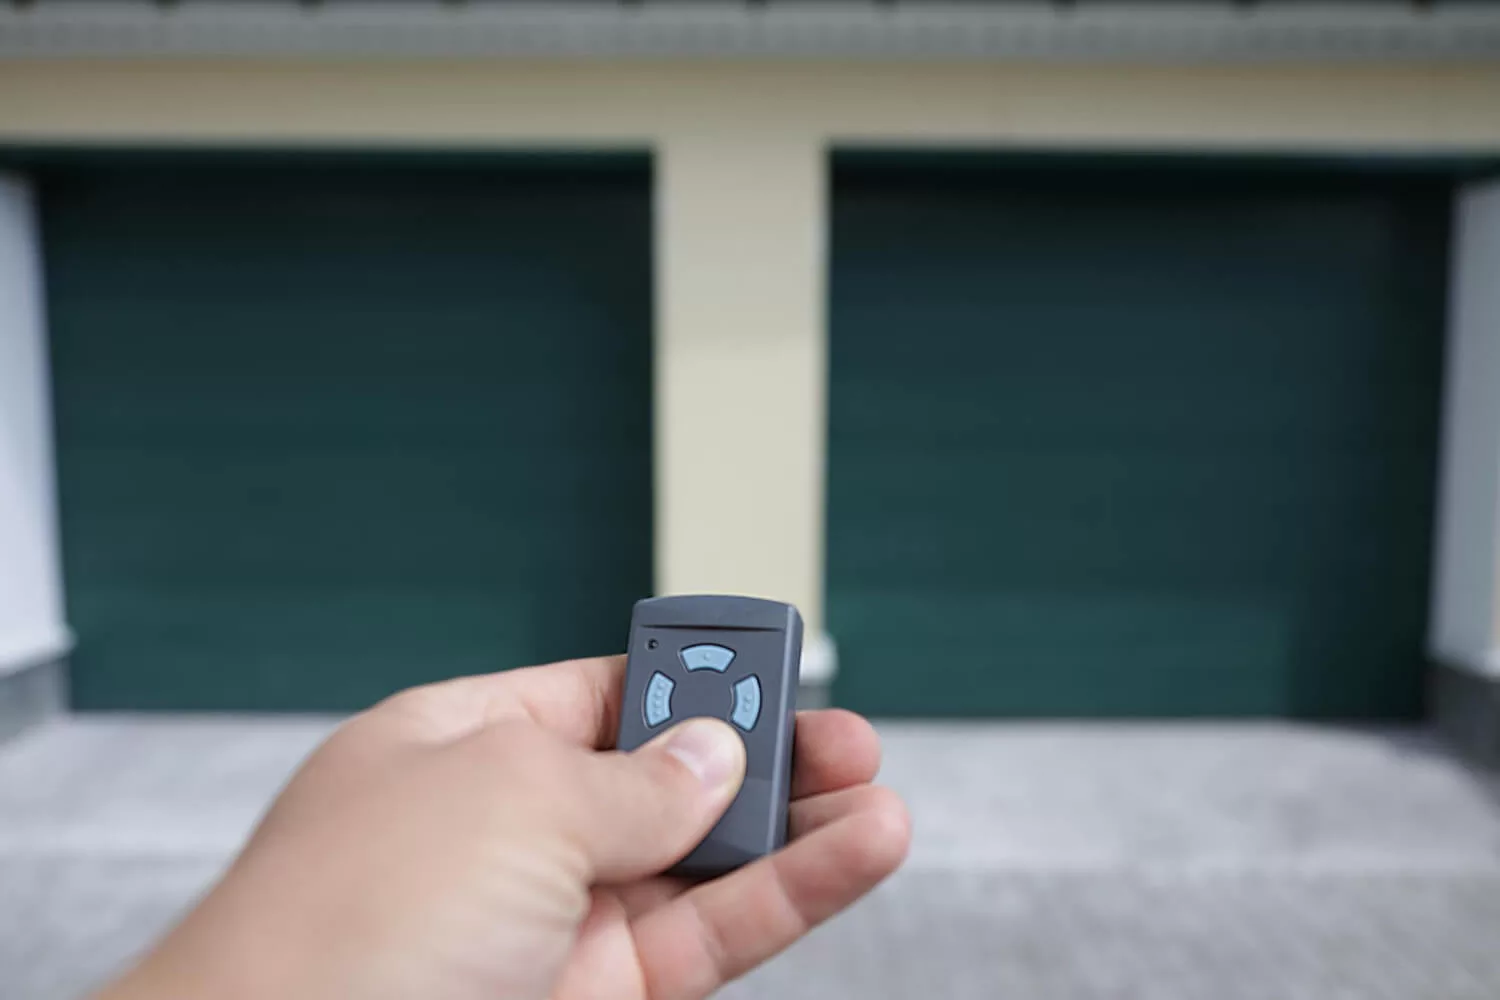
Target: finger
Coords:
[[634, 814], [643, 896], [834, 749], [803, 817], [719, 930], [602, 952], [578, 700], [806, 816]]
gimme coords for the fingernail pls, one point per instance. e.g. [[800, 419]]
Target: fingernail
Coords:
[[709, 749]]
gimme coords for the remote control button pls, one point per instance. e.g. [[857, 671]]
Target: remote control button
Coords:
[[659, 699], [746, 703], [707, 657]]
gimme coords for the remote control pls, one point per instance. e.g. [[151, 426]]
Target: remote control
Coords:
[[732, 658]]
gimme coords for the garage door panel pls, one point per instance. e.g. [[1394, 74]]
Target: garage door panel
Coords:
[[326, 433], [1279, 402], [1201, 654], [1112, 442], [1247, 653], [1032, 504], [279, 667]]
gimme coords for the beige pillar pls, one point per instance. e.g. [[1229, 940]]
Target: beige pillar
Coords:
[[741, 365]]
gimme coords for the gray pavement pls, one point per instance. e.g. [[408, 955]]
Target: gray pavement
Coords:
[[1059, 861]]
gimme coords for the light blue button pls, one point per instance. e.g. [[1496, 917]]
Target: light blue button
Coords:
[[659, 699], [746, 703], [707, 657]]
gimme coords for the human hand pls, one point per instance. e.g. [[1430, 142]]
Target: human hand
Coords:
[[474, 840]]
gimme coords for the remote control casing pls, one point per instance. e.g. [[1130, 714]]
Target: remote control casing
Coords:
[[765, 638]]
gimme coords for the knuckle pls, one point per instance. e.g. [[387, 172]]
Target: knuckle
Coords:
[[425, 712]]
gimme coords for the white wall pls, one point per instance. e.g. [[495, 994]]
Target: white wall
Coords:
[[31, 614], [1465, 612]]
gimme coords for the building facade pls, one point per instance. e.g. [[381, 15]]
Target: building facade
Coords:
[[1114, 364]]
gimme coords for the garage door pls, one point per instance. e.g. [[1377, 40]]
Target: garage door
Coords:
[[328, 430], [1133, 439]]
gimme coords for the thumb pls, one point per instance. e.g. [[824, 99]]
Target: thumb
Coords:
[[646, 809]]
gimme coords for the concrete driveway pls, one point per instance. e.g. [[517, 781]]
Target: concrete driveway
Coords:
[[1051, 862]]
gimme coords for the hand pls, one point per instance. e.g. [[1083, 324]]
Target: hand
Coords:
[[474, 840]]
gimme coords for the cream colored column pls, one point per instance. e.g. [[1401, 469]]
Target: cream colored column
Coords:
[[741, 352]]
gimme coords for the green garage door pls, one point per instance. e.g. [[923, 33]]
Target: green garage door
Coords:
[[327, 430], [1133, 439]]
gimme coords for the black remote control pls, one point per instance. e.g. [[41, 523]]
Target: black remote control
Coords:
[[731, 658]]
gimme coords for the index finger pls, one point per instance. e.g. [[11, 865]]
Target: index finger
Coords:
[[577, 699]]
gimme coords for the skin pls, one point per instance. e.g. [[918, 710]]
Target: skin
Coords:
[[476, 840]]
